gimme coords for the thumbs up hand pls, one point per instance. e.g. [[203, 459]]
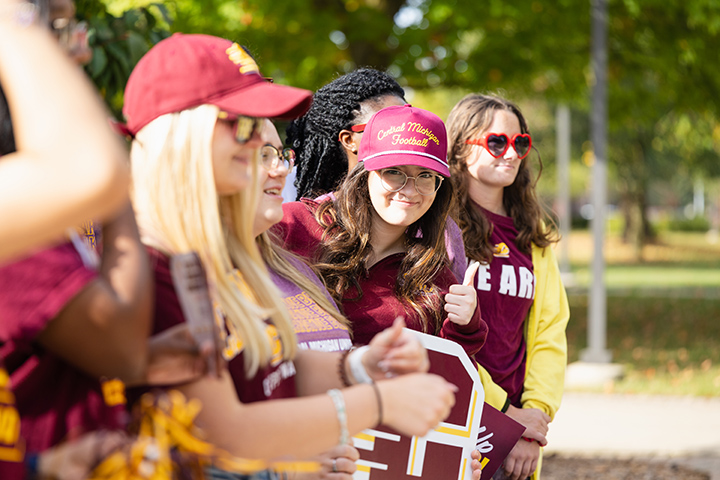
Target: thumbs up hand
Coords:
[[461, 300]]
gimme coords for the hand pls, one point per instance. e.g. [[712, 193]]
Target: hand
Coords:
[[475, 465], [395, 351], [522, 460], [76, 459], [461, 300], [416, 403], [536, 422], [175, 357], [343, 457]]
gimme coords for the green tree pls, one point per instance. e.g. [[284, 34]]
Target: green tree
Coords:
[[118, 42]]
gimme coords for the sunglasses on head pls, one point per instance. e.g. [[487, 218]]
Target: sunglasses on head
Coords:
[[498, 143], [244, 127]]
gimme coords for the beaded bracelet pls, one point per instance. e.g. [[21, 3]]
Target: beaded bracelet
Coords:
[[341, 368], [339, 402]]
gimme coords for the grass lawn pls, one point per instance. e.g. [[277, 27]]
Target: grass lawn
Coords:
[[663, 313]]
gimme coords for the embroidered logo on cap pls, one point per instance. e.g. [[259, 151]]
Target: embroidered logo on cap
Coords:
[[240, 57]]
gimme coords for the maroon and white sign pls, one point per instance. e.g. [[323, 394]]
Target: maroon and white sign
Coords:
[[444, 453]]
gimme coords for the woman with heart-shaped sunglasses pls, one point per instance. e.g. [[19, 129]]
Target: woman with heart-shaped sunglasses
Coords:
[[523, 301]]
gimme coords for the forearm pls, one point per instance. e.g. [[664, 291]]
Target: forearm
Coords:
[[63, 172], [317, 372], [125, 267], [299, 427]]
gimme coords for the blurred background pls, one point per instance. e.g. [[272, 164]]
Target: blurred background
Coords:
[[662, 244]]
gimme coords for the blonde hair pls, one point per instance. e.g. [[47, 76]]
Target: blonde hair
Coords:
[[179, 210], [279, 261]]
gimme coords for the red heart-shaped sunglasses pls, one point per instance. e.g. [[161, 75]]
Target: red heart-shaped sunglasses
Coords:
[[498, 143]]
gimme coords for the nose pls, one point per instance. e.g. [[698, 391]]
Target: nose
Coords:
[[280, 171], [511, 152], [409, 189]]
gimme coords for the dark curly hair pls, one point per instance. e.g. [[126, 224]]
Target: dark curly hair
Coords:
[[321, 161], [470, 118]]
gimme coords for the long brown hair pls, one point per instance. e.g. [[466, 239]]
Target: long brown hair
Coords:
[[346, 247], [470, 118]]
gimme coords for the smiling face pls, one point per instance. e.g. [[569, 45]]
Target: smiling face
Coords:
[[402, 208], [272, 181], [487, 172], [231, 160]]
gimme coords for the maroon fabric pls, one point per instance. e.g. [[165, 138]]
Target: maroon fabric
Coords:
[[505, 288], [12, 446], [378, 307], [55, 400], [275, 381]]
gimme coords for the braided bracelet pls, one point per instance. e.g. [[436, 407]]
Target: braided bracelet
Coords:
[[339, 402]]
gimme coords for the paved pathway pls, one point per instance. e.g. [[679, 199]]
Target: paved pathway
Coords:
[[639, 426]]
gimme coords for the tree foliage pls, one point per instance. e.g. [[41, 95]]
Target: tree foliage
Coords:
[[118, 42]]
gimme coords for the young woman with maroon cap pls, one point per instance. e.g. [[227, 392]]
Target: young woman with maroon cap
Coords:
[[524, 302], [195, 105], [379, 245]]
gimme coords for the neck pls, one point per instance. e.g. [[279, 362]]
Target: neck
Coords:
[[385, 240], [490, 198]]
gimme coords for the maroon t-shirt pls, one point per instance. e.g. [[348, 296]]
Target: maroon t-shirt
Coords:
[[274, 381], [378, 307], [505, 290], [56, 401]]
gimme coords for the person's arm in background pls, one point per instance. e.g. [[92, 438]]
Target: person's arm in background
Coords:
[[103, 330], [69, 166]]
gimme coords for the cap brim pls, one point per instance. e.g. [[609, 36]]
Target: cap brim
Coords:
[[387, 160], [268, 100]]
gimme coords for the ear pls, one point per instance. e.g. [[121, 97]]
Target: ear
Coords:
[[345, 137]]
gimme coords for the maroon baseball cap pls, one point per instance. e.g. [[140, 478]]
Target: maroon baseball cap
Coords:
[[404, 135], [185, 71]]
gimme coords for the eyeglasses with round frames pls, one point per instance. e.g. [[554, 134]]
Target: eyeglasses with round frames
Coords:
[[273, 158], [394, 180], [245, 127], [499, 143]]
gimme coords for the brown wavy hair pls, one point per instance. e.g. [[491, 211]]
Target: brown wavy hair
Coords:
[[471, 118], [346, 247]]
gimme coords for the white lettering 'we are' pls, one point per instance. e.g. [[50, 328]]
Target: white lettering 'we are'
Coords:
[[520, 284]]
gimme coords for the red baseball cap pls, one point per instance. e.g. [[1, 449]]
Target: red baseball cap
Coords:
[[185, 71], [404, 135]]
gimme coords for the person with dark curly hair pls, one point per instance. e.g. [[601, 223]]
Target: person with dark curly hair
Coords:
[[327, 138], [522, 366]]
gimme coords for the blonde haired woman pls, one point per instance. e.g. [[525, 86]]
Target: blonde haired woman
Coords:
[[195, 149]]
